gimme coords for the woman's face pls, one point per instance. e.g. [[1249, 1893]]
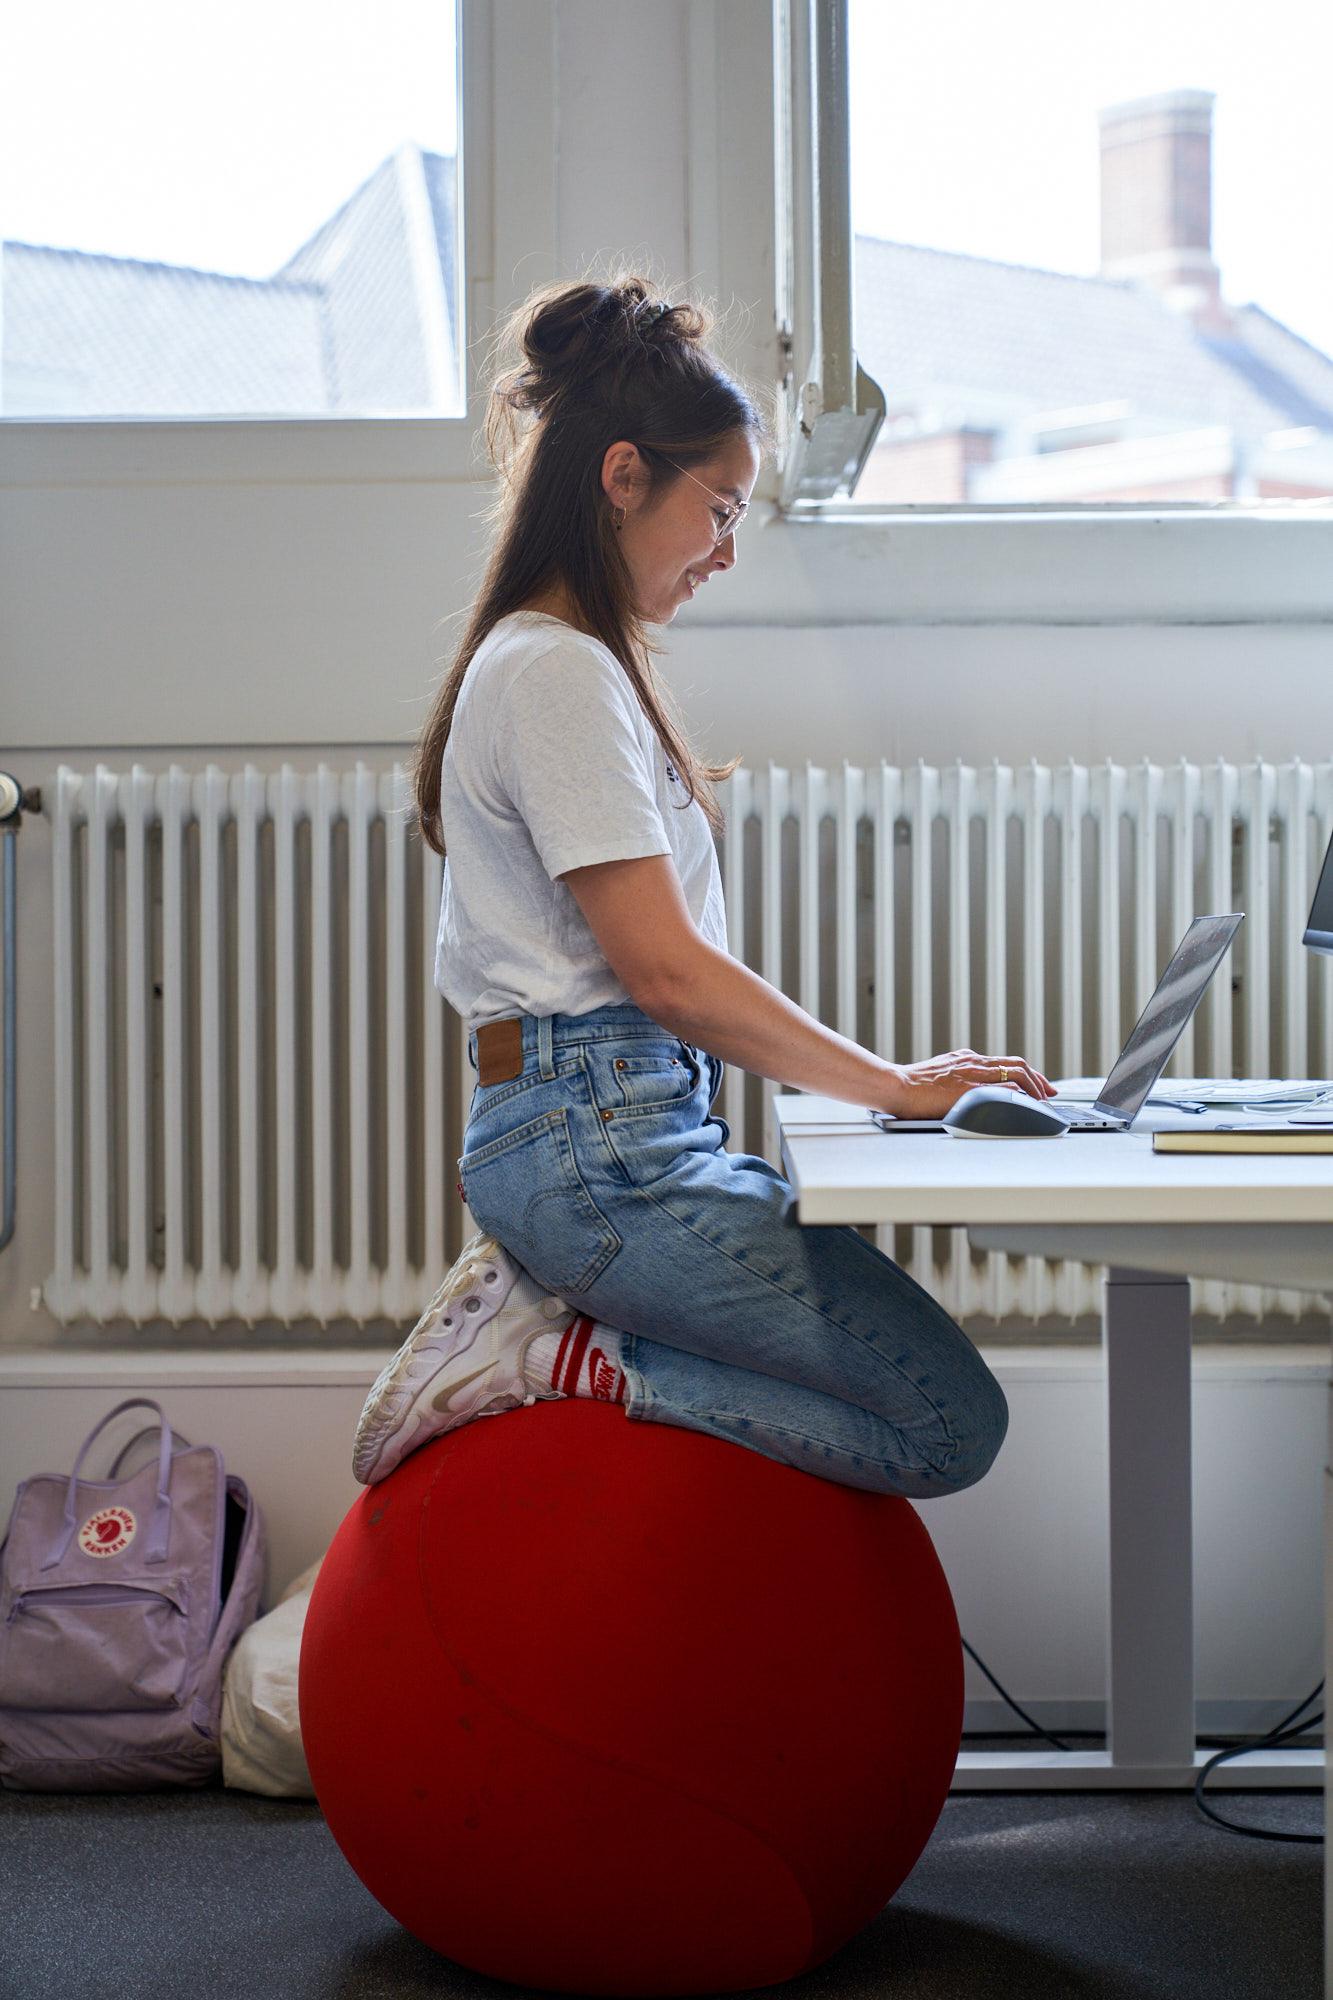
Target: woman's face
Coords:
[[669, 541]]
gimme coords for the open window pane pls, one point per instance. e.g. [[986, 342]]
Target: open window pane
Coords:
[[252, 213], [1090, 250]]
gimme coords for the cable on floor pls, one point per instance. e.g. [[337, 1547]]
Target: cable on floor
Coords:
[[1274, 1737]]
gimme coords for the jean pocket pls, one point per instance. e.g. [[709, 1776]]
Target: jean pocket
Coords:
[[662, 1078], [526, 1191]]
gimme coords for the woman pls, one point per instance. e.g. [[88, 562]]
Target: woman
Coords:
[[626, 1255]]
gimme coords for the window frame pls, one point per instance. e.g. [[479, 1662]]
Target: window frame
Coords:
[[496, 38], [1018, 554]]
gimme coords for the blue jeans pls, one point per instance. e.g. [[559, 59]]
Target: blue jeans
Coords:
[[602, 1171]]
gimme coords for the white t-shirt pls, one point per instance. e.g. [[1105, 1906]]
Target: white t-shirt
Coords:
[[551, 764]]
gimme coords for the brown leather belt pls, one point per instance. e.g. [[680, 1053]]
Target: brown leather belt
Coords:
[[500, 1050]]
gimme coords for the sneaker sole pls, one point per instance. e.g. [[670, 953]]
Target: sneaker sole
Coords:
[[390, 1401]]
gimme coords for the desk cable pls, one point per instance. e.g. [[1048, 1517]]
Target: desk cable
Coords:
[[1311, 1097], [1273, 1739]]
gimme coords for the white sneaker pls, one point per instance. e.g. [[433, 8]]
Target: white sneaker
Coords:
[[463, 1359]]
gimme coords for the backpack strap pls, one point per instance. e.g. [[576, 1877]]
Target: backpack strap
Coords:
[[159, 1528], [179, 1441]]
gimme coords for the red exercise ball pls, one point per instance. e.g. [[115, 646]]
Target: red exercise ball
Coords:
[[610, 1707]]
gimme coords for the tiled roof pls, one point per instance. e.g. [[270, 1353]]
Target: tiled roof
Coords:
[[991, 343], [112, 336], [338, 327], [442, 187], [1306, 373], [344, 325]]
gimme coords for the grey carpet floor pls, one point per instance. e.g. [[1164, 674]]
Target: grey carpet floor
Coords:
[[221, 1895]]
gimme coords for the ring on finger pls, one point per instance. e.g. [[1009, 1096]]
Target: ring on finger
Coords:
[[1004, 1075]]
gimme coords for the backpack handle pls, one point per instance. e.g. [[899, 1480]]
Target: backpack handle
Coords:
[[178, 1438], [159, 1528]]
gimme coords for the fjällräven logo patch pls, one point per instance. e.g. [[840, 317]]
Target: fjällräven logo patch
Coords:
[[108, 1532]]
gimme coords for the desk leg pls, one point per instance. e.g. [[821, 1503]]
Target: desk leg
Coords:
[[1328, 1684], [1150, 1626]]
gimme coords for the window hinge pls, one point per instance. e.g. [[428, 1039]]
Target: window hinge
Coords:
[[786, 345]]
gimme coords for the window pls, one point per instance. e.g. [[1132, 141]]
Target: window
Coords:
[[256, 214], [1034, 255]]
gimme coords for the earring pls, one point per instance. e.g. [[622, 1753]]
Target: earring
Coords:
[[621, 522]]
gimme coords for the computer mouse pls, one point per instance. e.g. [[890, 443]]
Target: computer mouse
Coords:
[[989, 1111]]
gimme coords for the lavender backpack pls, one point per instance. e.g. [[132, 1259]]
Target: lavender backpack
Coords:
[[120, 1600]]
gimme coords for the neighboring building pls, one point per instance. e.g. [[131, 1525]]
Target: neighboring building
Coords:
[[362, 320], [1002, 383], [1009, 384]]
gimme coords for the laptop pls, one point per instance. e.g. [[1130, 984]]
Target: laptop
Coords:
[[1148, 1050], [1319, 930]]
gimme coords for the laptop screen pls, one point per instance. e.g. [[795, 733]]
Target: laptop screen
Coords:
[[1164, 1019], [1319, 930]]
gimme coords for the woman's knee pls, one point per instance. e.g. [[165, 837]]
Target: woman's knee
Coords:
[[979, 1434]]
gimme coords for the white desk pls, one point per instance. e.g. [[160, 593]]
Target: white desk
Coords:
[[1156, 1220]]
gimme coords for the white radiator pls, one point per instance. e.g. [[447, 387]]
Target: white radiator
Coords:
[[260, 1097], [257, 1096]]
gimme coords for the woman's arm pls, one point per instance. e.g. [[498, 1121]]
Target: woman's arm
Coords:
[[637, 912]]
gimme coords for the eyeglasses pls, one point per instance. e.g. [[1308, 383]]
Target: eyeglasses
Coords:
[[733, 511]]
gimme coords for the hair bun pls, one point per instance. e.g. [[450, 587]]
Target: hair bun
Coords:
[[569, 334], [655, 318]]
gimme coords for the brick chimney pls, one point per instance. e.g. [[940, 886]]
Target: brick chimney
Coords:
[[1157, 200]]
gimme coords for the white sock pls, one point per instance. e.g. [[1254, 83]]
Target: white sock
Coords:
[[581, 1359]]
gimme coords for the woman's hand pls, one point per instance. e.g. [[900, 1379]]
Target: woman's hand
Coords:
[[929, 1089]]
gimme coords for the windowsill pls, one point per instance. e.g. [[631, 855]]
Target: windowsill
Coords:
[[848, 512], [1130, 563], [1209, 563]]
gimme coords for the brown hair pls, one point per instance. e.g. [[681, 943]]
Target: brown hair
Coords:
[[589, 364]]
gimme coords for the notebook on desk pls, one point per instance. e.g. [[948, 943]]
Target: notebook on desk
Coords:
[[1246, 1139], [1151, 1041]]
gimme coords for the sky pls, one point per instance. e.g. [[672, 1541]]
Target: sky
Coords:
[[223, 139], [974, 128], [215, 137]]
